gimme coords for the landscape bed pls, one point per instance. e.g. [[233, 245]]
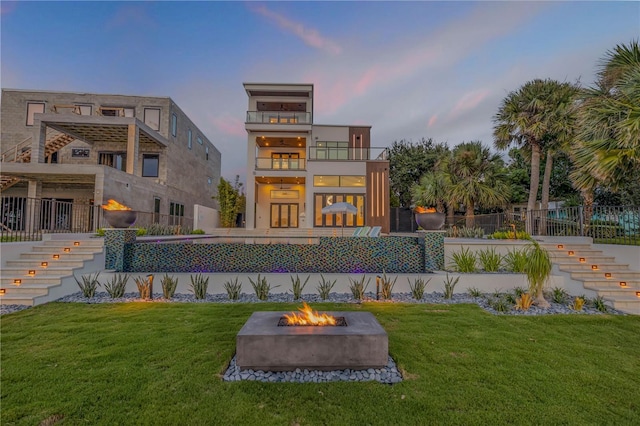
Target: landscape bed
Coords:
[[162, 363]]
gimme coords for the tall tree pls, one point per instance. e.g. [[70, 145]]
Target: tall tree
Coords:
[[231, 201], [534, 117], [608, 143], [408, 162], [477, 178]]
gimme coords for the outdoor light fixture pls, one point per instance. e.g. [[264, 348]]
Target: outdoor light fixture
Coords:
[[560, 246], [623, 283], [44, 264], [594, 267], [607, 275], [56, 256], [76, 243], [582, 259], [66, 249], [638, 293], [17, 282], [571, 253], [2, 291], [31, 272]]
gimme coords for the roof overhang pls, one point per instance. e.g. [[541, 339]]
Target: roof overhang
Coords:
[[92, 129], [279, 90], [54, 173]]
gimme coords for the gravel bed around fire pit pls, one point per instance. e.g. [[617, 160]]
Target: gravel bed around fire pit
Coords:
[[389, 374], [433, 298]]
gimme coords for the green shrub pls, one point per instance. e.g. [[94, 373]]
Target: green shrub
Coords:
[[324, 287], [474, 292], [233, 289], [359, 287], [117, 285], [464, 260], [490, 260], [417, 287], [519, 291], [500, 304], [197, 232], [386, 286], [100, 232], [169, 285], [141, 232], [464, 232], [449, 286], [144, 285], [89, 284], [199, 286], [510, 235], [538, 269], [261, 287], [297, 286], [515, 261], [559, 295], [599, 304]]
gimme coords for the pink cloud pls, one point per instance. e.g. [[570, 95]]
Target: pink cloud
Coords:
[[309, 36], [229, 125], [469, 101], [7, 7], [135, 14], [432, 120]]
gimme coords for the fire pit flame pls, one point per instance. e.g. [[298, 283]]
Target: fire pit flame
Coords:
[[114, 205], [421, 209], [309, 317]]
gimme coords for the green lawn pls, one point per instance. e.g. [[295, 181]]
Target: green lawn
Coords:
[[161, 363]]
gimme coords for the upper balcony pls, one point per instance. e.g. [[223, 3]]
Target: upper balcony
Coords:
[[279, 121], [323, 152]]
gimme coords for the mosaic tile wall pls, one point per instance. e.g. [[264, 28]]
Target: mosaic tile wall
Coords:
[[115, 243], [331, 255]]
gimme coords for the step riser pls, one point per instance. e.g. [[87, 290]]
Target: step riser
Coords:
[[63, 256], [26, 292], [21, 273], [20, 301], [588, 266], [588, 260], [37, 264], [619, 276], [64, 243], [8, 282]]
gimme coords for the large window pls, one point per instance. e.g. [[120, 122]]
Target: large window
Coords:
[[34, 108], [117, 160], [340, 219], [344, 181], [189, 139], [284, 215], [285, 160], [152, 118], [150, 165]]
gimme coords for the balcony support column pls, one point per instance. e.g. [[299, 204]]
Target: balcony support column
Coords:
[[133, 146]]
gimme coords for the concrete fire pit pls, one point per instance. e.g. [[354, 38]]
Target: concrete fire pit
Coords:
[[262, 345]]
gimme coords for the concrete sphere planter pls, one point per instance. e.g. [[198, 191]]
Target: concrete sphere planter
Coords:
[[430, 221], [120, 218]]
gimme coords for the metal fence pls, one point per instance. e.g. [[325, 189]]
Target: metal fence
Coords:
[[605, 224], [26, 219]]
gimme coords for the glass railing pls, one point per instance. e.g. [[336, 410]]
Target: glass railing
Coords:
[[278, 117], [324, 153], [280, 163]]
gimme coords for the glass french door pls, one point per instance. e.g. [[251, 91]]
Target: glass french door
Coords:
[[284, 215]]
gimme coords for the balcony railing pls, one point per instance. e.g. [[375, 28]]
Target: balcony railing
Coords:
[[277, 117], [324, 153], [268, 163]]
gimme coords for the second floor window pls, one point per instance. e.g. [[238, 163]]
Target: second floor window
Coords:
[[150, 165], [34, 108], [174, 125], [117, 160], [152, 118], [189, 139]]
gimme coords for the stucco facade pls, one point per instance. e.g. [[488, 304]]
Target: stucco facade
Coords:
[[296, 167], [142, 151]]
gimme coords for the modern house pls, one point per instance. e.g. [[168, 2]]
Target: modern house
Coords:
[[296, 167], [144, 152]]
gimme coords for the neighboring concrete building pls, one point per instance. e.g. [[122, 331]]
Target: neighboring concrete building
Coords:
[[296, 167], [143, 152]]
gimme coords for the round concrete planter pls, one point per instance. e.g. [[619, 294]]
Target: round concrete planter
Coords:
[[120, 218], [430, 221]]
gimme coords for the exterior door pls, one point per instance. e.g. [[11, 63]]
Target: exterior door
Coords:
[[284, 215]]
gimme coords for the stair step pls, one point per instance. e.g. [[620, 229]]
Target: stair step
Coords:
[[14, 272], [613, 291], [615, 275], [93, 242], [629, 305], [587, 267], [16, 299], [36, 264], [32, 289], [587, 259], [48, 257], [42, 279]]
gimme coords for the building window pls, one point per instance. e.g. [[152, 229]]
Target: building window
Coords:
[[326, 180], [152, 118], [340, 219], [330, 151], [116, 111], [84, 109], [117, 160], [174, 124], [199, 140], [344, 181], [209, 181], [34, 108], [189, 138], [150, 165], [176, 213], [206, 153], [156, 210]]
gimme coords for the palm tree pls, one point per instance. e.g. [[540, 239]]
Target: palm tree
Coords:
[[477, 178], [608, 140], [534, 117]]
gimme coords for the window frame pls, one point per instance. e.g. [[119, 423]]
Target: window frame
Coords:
[[174, 124], [150, 156], [30, 115], [159, 117]]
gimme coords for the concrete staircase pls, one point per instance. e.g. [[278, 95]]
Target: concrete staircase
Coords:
[[596, 271], [46, 272]]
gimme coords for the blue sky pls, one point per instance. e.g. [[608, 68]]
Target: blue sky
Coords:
[[409, 69]]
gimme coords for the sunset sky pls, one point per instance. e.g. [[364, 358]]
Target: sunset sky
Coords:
[[409, 69]]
